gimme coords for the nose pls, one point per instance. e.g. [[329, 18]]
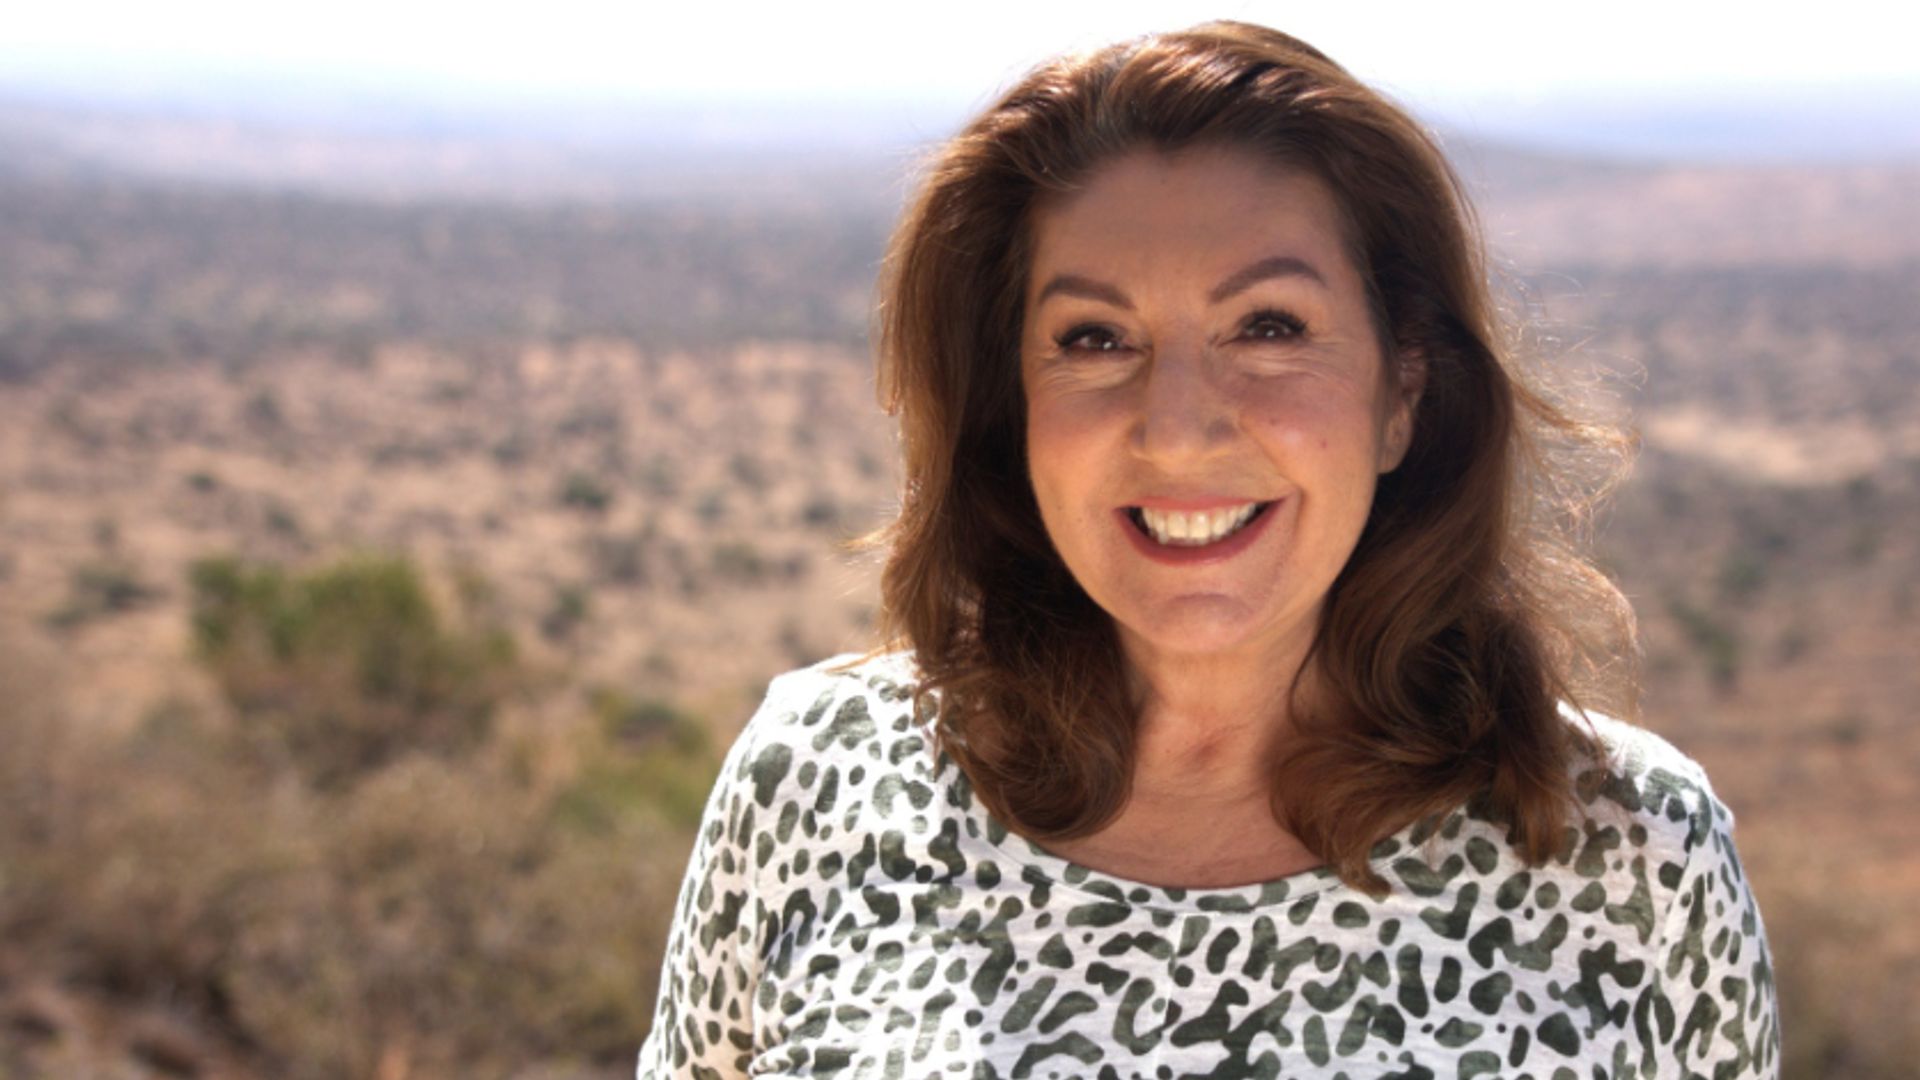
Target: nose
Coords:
[[1184, 414]]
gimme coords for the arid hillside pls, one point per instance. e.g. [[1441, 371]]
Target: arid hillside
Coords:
[[380, 579]]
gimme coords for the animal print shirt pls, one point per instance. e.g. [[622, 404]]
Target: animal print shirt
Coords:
[[851, 910]]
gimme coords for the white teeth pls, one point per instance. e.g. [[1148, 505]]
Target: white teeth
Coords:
[[1194, 529]]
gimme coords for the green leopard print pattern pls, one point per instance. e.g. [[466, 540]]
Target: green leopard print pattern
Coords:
[[851, 910]]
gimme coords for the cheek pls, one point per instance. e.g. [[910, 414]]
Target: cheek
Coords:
[[1049, 469], [1312, 426], [1321, 432], [1065, 443]]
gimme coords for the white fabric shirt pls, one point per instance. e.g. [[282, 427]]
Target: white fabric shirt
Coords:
[[850, 909]]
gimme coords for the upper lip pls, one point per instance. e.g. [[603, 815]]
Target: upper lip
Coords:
[[1192, 503]]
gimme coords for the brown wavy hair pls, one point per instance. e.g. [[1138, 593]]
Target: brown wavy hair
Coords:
[[1466, 613]]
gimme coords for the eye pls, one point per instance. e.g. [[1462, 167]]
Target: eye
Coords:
[[1090, 338], [1271, 325]]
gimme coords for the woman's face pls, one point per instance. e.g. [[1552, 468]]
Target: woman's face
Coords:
[[1208, 407]]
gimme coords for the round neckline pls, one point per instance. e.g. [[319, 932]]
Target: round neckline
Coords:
[[1058, 870], [1206, 900]]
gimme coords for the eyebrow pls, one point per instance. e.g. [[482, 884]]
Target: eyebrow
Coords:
[[1085, 288], [1277, 266]]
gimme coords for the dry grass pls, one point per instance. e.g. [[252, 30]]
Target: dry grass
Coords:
[[437, 918], [380, 692], [478, 887], [1846, 957]]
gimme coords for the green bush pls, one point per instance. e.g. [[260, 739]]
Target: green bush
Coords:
[[648, 760], [739, 561], [338, 670], [100, 589], [661, 477], [1715, 641], [1742, 575], [622, 560], [281, 521], [748, 472], [567, 614], [403, 913], [821, 511], [263, 409], [429, 921], [712, 507], [583, 492], [425, 923]]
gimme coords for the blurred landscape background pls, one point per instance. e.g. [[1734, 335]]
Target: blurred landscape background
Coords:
[[403, 505]]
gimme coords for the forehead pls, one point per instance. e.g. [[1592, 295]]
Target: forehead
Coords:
[[1151, 212]]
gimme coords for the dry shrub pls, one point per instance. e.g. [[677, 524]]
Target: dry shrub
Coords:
[[337, 670], [1844, 949], [644, 757], [101, 588], [442, 923], [133, 866], [1847, 992], [442, 915], [436, 917]]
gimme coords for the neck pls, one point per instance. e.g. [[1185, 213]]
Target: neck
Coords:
[[1210, 725]]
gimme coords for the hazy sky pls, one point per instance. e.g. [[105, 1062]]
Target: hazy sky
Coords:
[[950, 53]]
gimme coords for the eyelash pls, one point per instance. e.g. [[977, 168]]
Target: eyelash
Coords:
[[1291, 325], [1068, 340]]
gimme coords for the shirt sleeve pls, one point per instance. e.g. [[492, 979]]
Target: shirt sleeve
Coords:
[[703, 1022], [1711, 1010]]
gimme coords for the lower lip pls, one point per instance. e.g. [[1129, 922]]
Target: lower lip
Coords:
[[1198, 555]]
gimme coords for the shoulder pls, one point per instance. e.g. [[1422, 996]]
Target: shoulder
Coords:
[[891, 676], [1666, 791], [846, 700], [1645, 827], [1712, 969], [1643, 820], [1647, 804], [826, 731]]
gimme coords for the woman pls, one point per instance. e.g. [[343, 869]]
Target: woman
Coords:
[[1235, 735]]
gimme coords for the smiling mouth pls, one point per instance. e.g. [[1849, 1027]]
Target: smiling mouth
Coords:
[[1172, 528]]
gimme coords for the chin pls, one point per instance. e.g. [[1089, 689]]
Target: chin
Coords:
[[1199, 627]]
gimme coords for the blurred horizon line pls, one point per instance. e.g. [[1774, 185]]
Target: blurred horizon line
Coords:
[[1866, 121], [358, 139]]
